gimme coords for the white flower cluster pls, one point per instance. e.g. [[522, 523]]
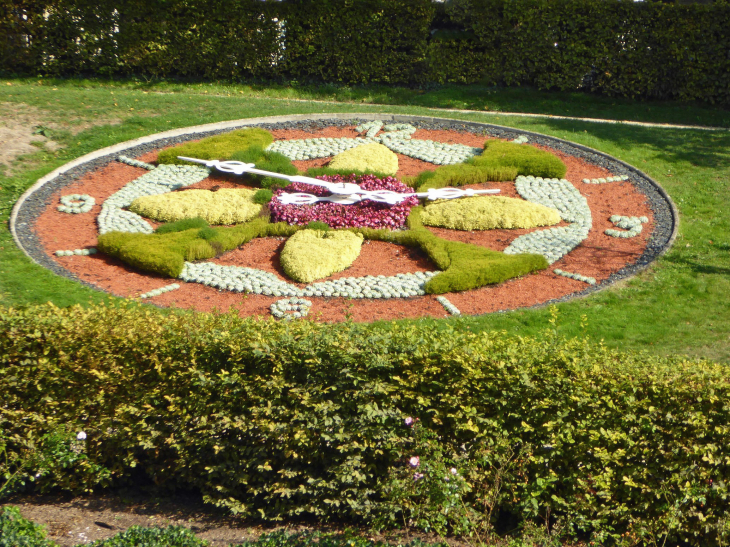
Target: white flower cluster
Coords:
[[76, 203], [161, 290], [633, 225], [397, 137], [163, 179], [405, 127], [607, 179], [371, 128], [553, 243], [253, 281], [290, 308], [448, 306], [438, 153], [522, 139], [577, 277], [402, 285], [135, 163], [237, 279], [309, 149], [77, 252]]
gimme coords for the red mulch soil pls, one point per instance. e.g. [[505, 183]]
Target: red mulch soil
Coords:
[[598, 256]]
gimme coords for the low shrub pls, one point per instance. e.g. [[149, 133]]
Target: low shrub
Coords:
[[488, 213], [263, 196], [267, 161], [312, 254], [181, 225], [527, 159], [367, 158], [316, 225], [137, 536], [290, 419], [218, 147], [16, 531], [316, 172], [224, 206], [462, 174]]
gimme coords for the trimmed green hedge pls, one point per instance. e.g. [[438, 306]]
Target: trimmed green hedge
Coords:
[[297, 418], [226, 146], [631, 49], [358, 41], [526, 159]]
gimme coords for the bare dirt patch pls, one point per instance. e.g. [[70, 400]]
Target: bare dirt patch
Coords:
[[72, 521], [24, 128]]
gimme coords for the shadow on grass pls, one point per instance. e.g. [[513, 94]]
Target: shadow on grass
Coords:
[[699, 268], [697, 147]]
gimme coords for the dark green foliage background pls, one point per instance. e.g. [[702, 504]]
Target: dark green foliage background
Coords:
[[616, 47], [287, 419]]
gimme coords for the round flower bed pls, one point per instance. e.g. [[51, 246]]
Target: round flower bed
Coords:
[[387, 280]]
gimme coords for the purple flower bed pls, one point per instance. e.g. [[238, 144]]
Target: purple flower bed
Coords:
[[365, 214]]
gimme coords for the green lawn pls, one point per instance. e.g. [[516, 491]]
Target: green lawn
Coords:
[[680, 305]]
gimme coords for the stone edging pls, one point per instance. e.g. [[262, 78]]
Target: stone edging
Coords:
[[198, 131]]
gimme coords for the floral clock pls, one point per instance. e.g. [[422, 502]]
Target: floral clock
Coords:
[[304, 250]]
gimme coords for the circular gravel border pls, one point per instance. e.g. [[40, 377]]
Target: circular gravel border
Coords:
[[38, 196]]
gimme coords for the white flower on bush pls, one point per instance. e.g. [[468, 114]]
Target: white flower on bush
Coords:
[[414, 461], [81, 436]]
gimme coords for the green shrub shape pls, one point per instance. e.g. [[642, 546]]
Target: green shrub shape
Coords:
[[16, 531], [267, 161], [181, 225], [263, 196], [137, 536], [218, 147], [527, 159], [165, 254], [367, 158], [207, 233], [312, 415], [314, 254], [465, 266], [317, 225], [461, 174], [224, 206], [322, 171], [488, 213]]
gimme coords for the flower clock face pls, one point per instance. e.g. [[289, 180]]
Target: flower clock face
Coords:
[[366, 222]]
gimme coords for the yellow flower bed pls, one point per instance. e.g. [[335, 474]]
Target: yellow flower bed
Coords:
[[367, 158], [313, 254], [226, 206], [488, 213]]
